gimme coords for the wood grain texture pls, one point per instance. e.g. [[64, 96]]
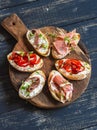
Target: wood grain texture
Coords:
[[12, 3], [82, 114], [35, 13]]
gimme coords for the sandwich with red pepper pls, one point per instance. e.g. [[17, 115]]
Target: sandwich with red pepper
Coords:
[[60, 88], [25, 61], [33, 85], [73, 69]]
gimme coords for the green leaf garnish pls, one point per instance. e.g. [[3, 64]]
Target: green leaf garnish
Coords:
[[72, 48], [31, 35], [52, 35], [75, 37], [45, 46], [40, 35], [67, 39], [37, 72], [27, 94], [23, 87], [31, 52]]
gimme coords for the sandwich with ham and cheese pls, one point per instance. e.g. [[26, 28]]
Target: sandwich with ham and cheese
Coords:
[[33, 85], [25, 61], [39, 42], [64, 44], [73, 69], [60, 88]]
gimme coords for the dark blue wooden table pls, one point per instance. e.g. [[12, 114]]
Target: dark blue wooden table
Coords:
[[17, 114]]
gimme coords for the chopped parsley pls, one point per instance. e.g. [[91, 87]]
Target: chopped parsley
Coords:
[[75, 37], [37, 72], [52, 35], [23, 87], [31, 35], [31, 52], [40, 35], [67, 39], [72, 48], [45, 46]]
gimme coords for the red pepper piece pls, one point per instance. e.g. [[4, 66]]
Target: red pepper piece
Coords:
[[73, 66]]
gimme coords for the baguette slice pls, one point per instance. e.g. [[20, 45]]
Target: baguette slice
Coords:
[[33, 85], [59, 87], [73, 69], [39, 42], [25, 62], [64, 44]]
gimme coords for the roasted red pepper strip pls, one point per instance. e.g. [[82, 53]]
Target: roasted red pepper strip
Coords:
[[24, 59], [73, 66]]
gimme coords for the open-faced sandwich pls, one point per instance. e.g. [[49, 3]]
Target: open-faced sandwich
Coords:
[[64, 43], [25, 61], [59, 87], [73, 69], [39, 42], [33, 85]]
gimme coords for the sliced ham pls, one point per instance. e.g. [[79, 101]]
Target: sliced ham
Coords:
[[63, 87], [60, 88], [61, 47], [36, 32], [35, 83], [58, 80], [36, 38], [68, 91]]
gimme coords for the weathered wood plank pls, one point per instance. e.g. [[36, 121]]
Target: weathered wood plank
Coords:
[[73, 117], [12, 3], [90, 128], [68, 11]]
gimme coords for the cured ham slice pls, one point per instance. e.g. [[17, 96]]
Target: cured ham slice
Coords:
[[58, 80], [60, 88], [34, 83], [64, 43], [61, 47]]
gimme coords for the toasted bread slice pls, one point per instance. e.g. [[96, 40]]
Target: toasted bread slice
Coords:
[[75, 71], [25, 62], [33, 85], [59, 87], [39, 42]]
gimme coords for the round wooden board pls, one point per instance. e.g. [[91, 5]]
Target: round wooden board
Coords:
[[44, 99]]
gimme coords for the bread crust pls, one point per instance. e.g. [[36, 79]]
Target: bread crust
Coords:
[[56, 55]]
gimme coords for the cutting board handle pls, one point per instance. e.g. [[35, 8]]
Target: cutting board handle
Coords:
[[14, 25]]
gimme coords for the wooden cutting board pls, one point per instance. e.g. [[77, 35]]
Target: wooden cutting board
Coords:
[[14, 25]]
